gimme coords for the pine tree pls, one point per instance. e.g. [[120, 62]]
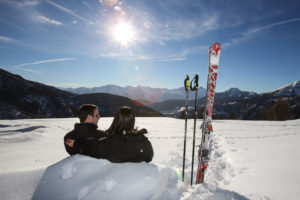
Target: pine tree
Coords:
[[280, 110]]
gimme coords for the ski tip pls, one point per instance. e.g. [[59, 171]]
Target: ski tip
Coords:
[[216, 47]]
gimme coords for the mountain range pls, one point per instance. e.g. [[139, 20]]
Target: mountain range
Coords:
[[139, 93], [20, 98], [279, 104]]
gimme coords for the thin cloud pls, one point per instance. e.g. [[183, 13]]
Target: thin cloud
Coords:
[[259, 29], [179, 29], [46, 20], [141, 57], [173, 23], [30, 3], [68, 11], [21, 66], [166, 21], [121, 56], [109, 55], [118, 8], [87, 5], [30, 70], [195, 50], [172, 59], [251, 32], [26, 3], [6, 39]]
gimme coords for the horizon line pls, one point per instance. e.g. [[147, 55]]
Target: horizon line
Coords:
[[55, 85]]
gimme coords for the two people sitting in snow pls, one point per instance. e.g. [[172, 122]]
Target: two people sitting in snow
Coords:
[[120, 143]]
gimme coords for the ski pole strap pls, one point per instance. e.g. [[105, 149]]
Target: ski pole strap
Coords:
[[195, 82], [187, 82]]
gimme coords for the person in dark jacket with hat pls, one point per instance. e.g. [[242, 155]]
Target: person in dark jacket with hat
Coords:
[[81, 140], [126, 143]]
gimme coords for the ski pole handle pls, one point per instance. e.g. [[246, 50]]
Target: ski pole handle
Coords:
[[195, 81], [187, 82]]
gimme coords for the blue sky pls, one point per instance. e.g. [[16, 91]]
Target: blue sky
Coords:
[[73, 43]]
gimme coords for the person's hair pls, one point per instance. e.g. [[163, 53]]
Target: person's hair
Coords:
[[124, 120], [85, 110]]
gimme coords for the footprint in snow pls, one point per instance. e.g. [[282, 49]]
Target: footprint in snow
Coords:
[[68, 170], [83, 192], [104, 186], [218, 154], [110, 184]]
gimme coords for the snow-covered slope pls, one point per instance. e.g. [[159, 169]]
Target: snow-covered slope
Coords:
[[249, 160]]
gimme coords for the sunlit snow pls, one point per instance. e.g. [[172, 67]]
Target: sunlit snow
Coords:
[[249, 160]]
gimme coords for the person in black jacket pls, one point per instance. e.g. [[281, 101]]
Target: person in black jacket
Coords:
[[120, 143], [82, 139], [125, 143]]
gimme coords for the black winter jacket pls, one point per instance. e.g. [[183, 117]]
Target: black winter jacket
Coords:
[[131, 147], [85, 136]]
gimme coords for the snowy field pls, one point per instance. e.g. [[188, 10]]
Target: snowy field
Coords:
[[249, 160]]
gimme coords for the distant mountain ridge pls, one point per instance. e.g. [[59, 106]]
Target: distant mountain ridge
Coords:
[[142, 93], [230, 104], [234, 93], [20, 98], [288, 90], [156, 95], [279, 104]]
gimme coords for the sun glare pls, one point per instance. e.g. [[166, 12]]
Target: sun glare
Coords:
[[123, 33]]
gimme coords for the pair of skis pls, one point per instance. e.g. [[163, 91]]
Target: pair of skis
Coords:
[[203, 152]]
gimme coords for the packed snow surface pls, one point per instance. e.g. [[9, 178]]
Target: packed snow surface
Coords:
[[249, 160], [82, 177]]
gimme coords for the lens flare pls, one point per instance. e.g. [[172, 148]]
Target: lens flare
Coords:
[[109, 3]]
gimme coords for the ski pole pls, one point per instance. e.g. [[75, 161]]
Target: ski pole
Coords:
[[186, 87], [194, 88]]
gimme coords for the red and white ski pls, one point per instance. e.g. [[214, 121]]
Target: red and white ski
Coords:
[[213, 66]]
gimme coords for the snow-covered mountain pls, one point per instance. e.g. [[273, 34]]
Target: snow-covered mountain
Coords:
[[280, 104], [234, 93], [20, 98], [140, 93], [110, 89], [153, 95], [288, 90]]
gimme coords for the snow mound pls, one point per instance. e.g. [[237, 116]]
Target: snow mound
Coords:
[[86, 178]]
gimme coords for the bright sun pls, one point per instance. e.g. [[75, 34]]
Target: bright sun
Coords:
[[123, 33]]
